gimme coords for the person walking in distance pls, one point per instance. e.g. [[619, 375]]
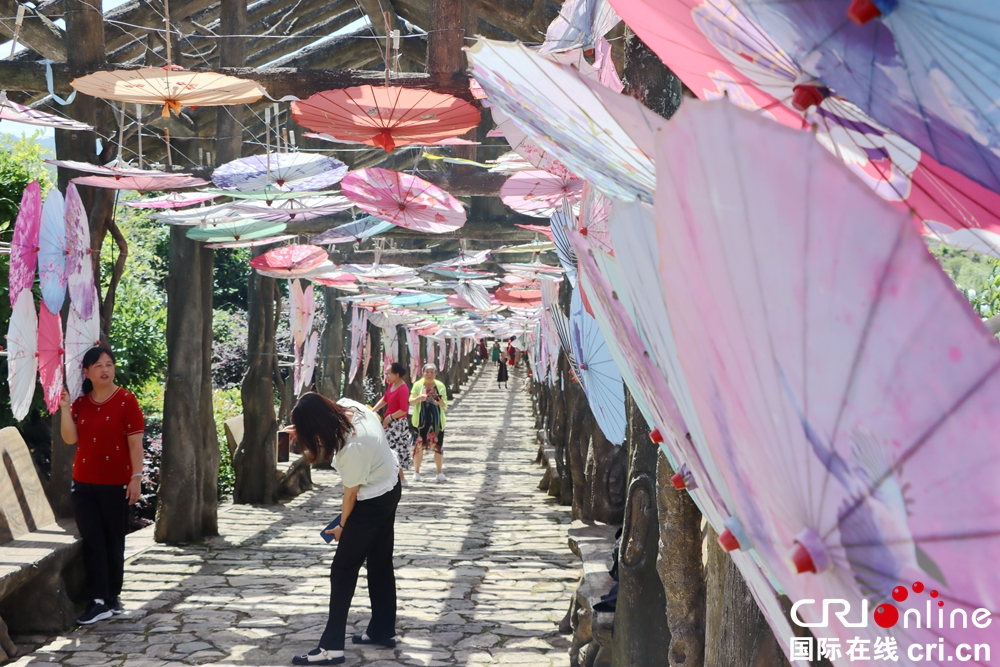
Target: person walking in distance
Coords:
[[351, 437], [396, 425], [429, 398], [495, 353], [482, 352], [106, 425], [502, 371]]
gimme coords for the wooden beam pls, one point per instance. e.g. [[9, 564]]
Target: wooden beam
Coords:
[[37, 32], [279, 81], [375, 11]]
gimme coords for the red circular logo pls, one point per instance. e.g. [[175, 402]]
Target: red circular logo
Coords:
[[886, 615]]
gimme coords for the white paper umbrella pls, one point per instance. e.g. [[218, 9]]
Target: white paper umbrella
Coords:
[[475, 294], [307, 364], [81, 335], [79, 267], [22, 357]]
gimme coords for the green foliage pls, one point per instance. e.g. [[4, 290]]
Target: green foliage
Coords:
[[232, 271], [139, 323], [986, 299], [967, 269], [226, 404]]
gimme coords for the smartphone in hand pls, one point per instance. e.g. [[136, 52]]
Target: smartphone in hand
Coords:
[[328, 537]]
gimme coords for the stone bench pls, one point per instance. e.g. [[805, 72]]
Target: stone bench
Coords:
[[593, 542], [35, 549], [551, 482]]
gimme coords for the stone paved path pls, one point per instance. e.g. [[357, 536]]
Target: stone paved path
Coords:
[[482, 564]]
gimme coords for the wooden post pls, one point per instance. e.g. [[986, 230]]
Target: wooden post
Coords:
[[375, 375], [84, 29]]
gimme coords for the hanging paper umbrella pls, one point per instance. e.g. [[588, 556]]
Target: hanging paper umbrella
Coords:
[[52, 252], [353, 232], [140, 183], [461, 273], [282, 171], [908, 69], [304, 369], [527, 148], [170, 87], [593, 222], [239, 230], [290, 260], [404, 200], [79, 267], [561, 223], [475, 294], [598, 134], [534, 246], [24, 243], [714, 47], [101, 170], [418, 300], [519, 297], [539, 193], [303, 307], [539, 229], [50, 357], [379, 270], [851, 415], [82, 333], [19, 113], [267, 194], [464, 259], [171, 200], [304, 208], [533, 270], [580, 24], [339, 279], [359, 321], [22, 357], [201, 215], [386, 117], [253, 243]]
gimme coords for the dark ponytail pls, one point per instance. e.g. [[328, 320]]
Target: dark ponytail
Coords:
[[90, 357], [398, 368]]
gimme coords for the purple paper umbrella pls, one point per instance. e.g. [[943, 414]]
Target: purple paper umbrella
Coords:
[[79, 265], [282, 171]]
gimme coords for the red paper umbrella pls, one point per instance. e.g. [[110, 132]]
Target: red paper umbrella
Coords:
[[337, 279], [50, 357], [140, 183], [518, 297], [539, 193], [290, 260], [404, 200], [386, 116]]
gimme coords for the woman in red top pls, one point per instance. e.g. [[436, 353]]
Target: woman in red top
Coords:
[[106, 425], [396, 401]]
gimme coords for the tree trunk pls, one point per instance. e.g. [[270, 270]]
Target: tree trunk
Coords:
[[641, 613], [332, 368], [255, 461], [375, 365], [680, 570], [355, 390], [187, 501]]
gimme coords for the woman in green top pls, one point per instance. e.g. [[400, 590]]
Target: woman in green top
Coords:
[[429, 398], [495, 354]]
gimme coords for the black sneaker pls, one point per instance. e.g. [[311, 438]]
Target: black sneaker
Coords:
[[116, 606], [95, 612], [318, 656]]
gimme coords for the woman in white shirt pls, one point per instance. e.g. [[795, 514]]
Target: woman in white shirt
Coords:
[[350, 436]]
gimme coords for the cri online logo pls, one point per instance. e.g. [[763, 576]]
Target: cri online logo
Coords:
[[886, 615]]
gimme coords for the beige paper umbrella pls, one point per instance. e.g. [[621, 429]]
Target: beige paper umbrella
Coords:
[[171, 87]]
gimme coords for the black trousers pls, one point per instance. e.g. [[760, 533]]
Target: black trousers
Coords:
[[369, 533], [102, 518]]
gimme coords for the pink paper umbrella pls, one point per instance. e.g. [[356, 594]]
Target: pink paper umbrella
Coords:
[[845, 389], [290, 260], [115, 172], [404, 200], [336, 279], [79, 267], [140, 183], [24, 244], [19, 113], [50, 357], [172, 200], [539, 193], [303, 310]]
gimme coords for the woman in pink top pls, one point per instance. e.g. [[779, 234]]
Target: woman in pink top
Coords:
[[396, 401]]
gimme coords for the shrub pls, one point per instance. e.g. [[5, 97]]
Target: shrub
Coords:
[[229, 348]]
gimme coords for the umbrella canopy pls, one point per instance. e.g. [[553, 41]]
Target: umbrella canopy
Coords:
[[593, 222], [140, 183], [201, 215], [534, 246], [598, 134], [561, 223], [862, 377], [283, 171], [519, 297], [253, 243], [101, 170], [24, 243], [353, 232], [539, 193], [909, 70], [290, 260], [170, 87], [287, 210], [172, 200], [580, 24], [52, 251], [715, 47], [527, 148], [460, 273], [236, 230], [404, 200], [82, 333], [418, 300], [19, 113], [337, 279], [79, 267], [50, 357], [602, 382], [386, 117], [302, 303], [306, 364], [474, 294], [22, 358]]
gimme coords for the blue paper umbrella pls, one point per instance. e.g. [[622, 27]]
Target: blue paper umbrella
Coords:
[[602, 382], [353, 232], [419, 300], [52, 252], [928, 70]]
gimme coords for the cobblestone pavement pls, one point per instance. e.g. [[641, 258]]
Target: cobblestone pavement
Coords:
[[482, 565]]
